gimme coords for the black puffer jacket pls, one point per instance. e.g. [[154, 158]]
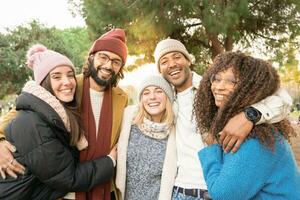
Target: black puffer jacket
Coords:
[[52, 167]]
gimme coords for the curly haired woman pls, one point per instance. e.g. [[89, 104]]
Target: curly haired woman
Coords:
[[264, 167]]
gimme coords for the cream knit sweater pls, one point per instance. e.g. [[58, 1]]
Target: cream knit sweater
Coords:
[[169, 167]]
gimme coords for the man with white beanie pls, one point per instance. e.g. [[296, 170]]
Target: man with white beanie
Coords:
[[174, 63]]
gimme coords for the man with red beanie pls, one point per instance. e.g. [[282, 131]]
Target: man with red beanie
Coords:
[[102, 104]]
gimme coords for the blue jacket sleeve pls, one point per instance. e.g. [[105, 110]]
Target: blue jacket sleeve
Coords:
[[236, 176]]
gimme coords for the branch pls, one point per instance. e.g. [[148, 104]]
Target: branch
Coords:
[[192, 25], [263, 36], [255, 5]]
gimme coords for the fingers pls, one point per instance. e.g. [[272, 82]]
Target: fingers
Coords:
[[15, 166], [2, 173], [222, 136], [225, 142], [11, 173], [236, 146], [230, 144], [8, 165], [9, 146]]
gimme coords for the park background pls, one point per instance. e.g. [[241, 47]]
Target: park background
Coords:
[[268, 29]]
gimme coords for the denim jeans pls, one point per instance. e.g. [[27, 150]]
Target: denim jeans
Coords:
[[180, 196]]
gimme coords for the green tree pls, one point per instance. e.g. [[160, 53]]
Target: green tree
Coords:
[[15, 43], [206, 27]]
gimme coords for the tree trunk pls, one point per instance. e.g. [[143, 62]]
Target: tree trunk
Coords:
[[228, 43], [216, 46]]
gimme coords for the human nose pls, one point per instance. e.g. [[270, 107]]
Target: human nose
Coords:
[[152, 95], [172, 63], [66, 80]]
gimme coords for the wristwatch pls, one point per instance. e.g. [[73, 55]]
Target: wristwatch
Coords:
[[252, 114]]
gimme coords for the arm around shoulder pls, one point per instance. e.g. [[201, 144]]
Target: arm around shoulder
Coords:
[[5, 121], [274, 108]]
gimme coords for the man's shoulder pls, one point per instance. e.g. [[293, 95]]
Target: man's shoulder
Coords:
[[119, 91]]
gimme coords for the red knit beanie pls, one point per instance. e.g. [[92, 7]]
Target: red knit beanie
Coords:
[[113, 41]]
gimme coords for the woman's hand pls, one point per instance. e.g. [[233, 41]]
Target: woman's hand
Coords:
[[8, 165], [113, 154]]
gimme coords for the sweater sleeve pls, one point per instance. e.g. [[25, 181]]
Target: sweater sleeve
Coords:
[[5, 121], [274, 108], [53, 163], [236, 176]]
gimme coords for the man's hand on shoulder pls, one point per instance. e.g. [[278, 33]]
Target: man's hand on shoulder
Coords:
[[235, 132]]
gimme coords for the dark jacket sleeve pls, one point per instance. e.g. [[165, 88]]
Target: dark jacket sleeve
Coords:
[[53, 163]]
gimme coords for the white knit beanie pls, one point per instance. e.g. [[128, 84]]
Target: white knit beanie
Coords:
[[159, 81], [167, 46]]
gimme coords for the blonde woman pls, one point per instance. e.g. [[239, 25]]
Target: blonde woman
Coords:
[[146, 166]]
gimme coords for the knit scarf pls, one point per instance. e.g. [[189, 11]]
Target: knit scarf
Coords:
[[154, 129], [98, 146]]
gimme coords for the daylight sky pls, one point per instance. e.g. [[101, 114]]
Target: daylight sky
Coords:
[[48, 12], [54, 13]]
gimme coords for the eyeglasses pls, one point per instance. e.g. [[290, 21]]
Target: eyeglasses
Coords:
[[215, 79], [104, 59]]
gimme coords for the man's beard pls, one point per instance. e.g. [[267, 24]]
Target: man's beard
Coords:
[[104, 83]]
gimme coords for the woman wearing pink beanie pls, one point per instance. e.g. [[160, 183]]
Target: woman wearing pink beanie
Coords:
[[48, 136]]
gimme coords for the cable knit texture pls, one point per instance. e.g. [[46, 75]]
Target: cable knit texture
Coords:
[[154, 130], [33, 88], [169, 166]]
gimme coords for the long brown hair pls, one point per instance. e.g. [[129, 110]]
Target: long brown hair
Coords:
[[72, 111], [257, 79]]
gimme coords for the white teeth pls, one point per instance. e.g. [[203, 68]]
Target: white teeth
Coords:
[[153, 104], [174, 72], [104, 71], [66, 91], [219, 97]]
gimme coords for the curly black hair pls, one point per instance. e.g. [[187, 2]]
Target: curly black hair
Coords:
[[257, 79]]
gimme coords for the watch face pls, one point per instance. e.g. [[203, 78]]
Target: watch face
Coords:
[[252, 114]]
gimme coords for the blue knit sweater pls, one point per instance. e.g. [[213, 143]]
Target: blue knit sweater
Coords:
[[253, 172]]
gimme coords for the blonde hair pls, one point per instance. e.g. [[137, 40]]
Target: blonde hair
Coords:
[[168, 116]]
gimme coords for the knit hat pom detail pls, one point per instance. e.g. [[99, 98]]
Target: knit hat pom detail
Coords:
[[37, 48]]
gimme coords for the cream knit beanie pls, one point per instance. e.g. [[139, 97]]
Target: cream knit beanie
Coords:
[[159, 81], [167, 46]]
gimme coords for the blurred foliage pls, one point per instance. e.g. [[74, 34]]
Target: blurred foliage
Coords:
[[73, 43], [206, 27]]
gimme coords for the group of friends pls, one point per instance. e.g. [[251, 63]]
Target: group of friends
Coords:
[[221, 136]]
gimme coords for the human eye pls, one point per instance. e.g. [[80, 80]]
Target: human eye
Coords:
[[146, 92], [159, 91], [71, 75], [117, 63], [102, 57], [217, 79], [177, 57], [163, 62], [231, 81]]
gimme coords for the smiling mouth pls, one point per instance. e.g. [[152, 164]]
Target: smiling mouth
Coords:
[[174, 72], [151, 105], [105, 71], [66, 91]]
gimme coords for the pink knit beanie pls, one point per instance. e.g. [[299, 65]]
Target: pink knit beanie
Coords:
[[113, 41], [42, 60]]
